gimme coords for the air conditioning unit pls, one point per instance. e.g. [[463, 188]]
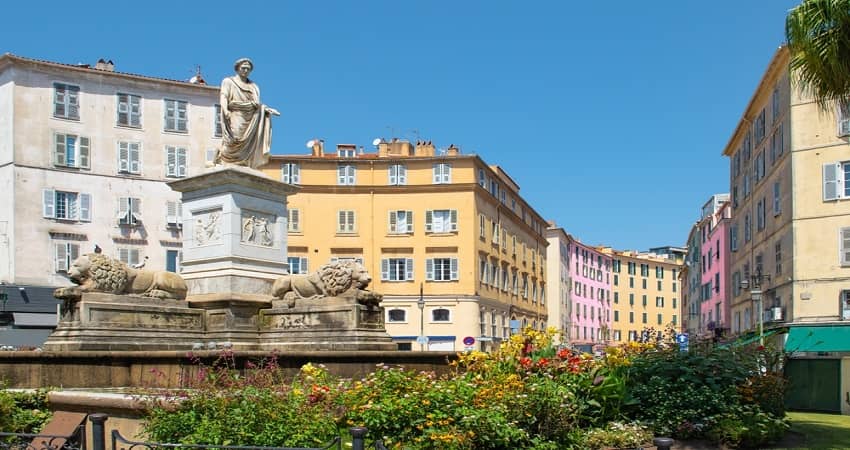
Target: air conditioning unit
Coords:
[[776, 314]]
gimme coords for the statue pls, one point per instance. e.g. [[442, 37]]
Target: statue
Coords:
[[246, 123], [347, 279], [96, 272]]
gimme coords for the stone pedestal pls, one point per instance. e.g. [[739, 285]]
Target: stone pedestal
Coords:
[[121, 322], [232, 320], [332, 323], [234, 231]]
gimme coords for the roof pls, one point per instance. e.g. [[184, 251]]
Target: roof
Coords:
[[87, 69], [29, 299]]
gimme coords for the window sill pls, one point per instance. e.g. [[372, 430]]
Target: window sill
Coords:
[[67, 119], [347, 234], [440, 233], [178, 132], [131, 174], [405, 234], [128, 127], [441, 281], [295, 232]]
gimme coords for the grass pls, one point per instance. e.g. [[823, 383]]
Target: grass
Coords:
[[819, 431]]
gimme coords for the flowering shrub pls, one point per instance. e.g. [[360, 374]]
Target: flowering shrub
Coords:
[[23, 412], [618, 435]]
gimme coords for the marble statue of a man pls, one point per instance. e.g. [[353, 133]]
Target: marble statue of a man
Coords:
[[246, 123]]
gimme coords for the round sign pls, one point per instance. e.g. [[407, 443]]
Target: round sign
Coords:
[[469, 340], [422, 340]]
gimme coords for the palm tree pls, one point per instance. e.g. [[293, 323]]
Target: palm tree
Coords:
[[818, 35]]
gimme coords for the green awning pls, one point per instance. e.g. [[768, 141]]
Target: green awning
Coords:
[[829, 338], [750, 337]]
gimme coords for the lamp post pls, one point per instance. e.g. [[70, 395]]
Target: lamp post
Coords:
[[754, 285], [421, 305]]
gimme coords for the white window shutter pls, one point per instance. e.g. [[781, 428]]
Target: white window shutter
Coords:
[[123, 157], [340, 220], [170, 161], [85, 207], [454, 269], [402, 174], [83, 153], [392, 174], [73, 102], [352, 175], [295, 174], [60, 158], [408, 269], [122, 210], [285, 175], [136, 209], [429, 269], [429, 221], [845, 246], [133, 256], [170, 212], [831, 181], [210, 156], [453, 219], [447, 173], [61, 257], [409, 221], [385, 269], [181, 162], [304, 268], [351, 221], [73, 252], [133, 156], [340, 175], [393, 222], [48, 206]]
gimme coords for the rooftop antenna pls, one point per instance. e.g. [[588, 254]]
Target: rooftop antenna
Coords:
[[376, 141], [310, 143]]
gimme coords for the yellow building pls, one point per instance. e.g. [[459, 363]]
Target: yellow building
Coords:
[[790, 233], [647, 294], [441, 223]]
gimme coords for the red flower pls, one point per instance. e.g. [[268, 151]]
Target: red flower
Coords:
[[563, 353], [525, 361]]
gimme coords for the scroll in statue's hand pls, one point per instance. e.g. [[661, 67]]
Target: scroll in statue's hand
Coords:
[[272, 111]]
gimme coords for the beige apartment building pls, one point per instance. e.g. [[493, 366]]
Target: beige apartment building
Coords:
[[647, 294], [790, 234], [559, 286], [458, 254], [85, 152]]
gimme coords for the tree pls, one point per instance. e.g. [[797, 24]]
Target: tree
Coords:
[[818, 35]]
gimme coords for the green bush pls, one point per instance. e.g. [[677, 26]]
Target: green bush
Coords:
[[23, 411]]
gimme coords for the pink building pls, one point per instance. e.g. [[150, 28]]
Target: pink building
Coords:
[[590, 296], [714, 266]]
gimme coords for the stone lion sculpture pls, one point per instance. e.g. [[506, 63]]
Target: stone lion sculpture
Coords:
[[98, 273], [337, 279]]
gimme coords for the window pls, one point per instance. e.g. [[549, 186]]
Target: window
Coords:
[[174, 213], [631, 299], [631, 282], [514, 283], [716, 283], [643, 317], [777, 199], [175, 162], [835, 180], [175, 116], [524, 285], [643, 300], [129, 110], [129, 255], [758, 167], [66, 101], [644, 270], [401, 222], [346, 174], [504, 240], [616, 280], [674, 286], [494, 274], [345, 221], [733, 237], [758, 127], [482, 180], [660, 318], [129, 211], [616, 297], [760, 214], [631, 317], [290, 173], [66, 205], [616, 316], [483, 271], [441, 220], [843, 120], [495, 238], [217, 122], [397, 175], [482, 227], [845, 246], [659, 302], [293, 223], [396, 315], [297, 264], [442, 173], [674, 303], [445, 269], [777, 248], [748, 228], [774, 104], [505, 278], [777, 142], [64, 253], [440, 315], [643, 282], [70, 150], [658, 287], [397, 269], [128, 157], [173, 260]]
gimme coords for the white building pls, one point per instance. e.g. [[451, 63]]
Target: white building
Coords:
[[558, 268], [84, 156]]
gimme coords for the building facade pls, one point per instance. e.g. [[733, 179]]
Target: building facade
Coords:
[[559, 306], [714, 266], [646, 295], [452, 246], [590, 296], [691, 280], [790, 233]]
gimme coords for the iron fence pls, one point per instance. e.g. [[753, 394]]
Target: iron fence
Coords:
[[29, 441]]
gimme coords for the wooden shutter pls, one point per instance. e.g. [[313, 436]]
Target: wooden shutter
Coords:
[[123, 157], [135, 111], [340, 175], [123, 109], [408, 268], [352, 174], [385, 269], [48, 205], [60, 154], [429, 221], [295, 174], [447, 173], [284, 169], [171, 212], [181, 161], [133, 157], [845, 246], [393, 222], [294, 220], [123, 211], [83, 152], [73, 252], [392, 174], [437, 174], [61, 257], [453, 219], [831, 181], [453, 267], [402, 174], [429, 269], [59, 100], [340, 221], [304, 268], [85, 207], [350, 221], [73, 102], [136, 210], [170, 161]]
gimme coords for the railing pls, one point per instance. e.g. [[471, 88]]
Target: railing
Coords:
[[28, 441]]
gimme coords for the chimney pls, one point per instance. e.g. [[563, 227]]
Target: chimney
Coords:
[[424, 148], [452, 150], [107, 66], [318, 147]]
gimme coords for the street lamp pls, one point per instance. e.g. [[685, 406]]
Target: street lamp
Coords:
[[754, 285], [421, 305]]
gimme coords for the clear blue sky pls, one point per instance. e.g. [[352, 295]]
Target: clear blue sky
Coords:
[[611, 115]]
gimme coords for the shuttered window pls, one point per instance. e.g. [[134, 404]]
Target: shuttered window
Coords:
[[397, 269], [297, 264], [441, 220], [217, 121], [66, 205], [442, 173], [845, 246], [345, 222], [129, 110], [346, 175], [176, 116], [174, 213], [64, 253], [128, 255], [128, 157], [400, 222], [290, 173], [835, 176], [70, 150], [294, 220], [129, 211], [66, 101], [175, 162], [397, 175]]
